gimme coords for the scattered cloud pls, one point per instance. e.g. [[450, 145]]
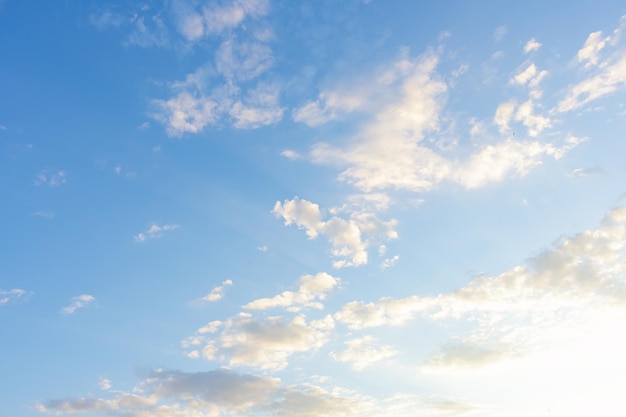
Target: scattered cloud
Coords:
[[78, 302], [216, 293], [155, 231], [389, 262], [350, 238], [51, 178], [13, 295]]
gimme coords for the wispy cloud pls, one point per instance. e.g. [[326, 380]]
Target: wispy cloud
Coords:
[[78, 302], [155, 231], [51, 178], [216, 293], [604, 59], [13, 295], [46, 214]]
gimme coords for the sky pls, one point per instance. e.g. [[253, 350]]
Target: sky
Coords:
[[314, 208]]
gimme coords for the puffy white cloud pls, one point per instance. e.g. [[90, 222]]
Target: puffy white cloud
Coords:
[[12, 295], [244, 340], [311, 289], [350, 238], [363, 352], [154, 231], [394, 148], [78, 302]]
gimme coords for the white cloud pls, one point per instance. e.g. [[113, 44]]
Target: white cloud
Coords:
[[186, 113], [363, 352], [557, 297], [504, 114], [104, 384], [606, 74], [172, 393], [389, 262], [244, 340], [588, 54], [291, 154], [155, 231], [394, 149], [532, 45], [51, 178], [311, 289], [349, 238], [216, 293], [78, 302], [525, 75], [13, 295]]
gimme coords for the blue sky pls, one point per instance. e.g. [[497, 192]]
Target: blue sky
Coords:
[[314, 208]]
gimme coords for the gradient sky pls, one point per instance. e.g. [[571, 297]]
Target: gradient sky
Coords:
[[313, 208]]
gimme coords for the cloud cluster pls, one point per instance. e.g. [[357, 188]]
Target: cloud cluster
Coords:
[[268, 342], [406, 101], [220, 392], [555, 297], [350, 237]]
